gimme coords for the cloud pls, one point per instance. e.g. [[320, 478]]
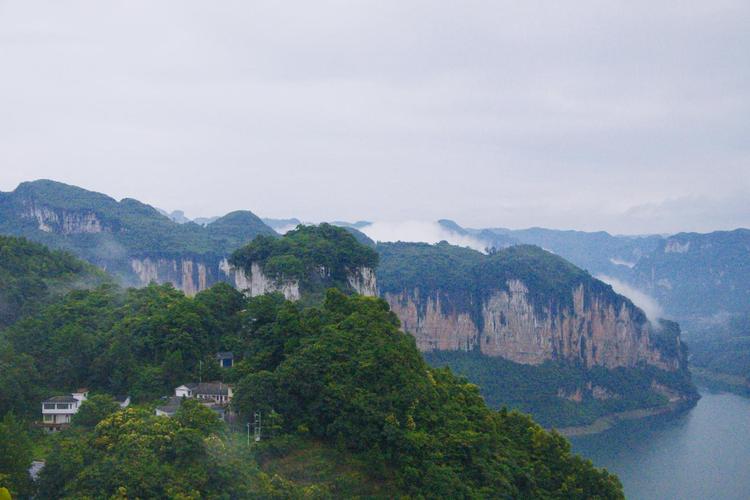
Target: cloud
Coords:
[[562, 114], [645, 302], [419, 231]]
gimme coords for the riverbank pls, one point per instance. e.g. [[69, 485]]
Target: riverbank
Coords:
[[606, 422]]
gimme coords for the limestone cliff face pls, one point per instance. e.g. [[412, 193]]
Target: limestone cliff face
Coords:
[[193, 274], [60, 221], [594, 331], [362, 280], [188, 274], [257, 283]]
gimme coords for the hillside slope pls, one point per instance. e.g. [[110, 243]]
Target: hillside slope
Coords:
[[31, 275]]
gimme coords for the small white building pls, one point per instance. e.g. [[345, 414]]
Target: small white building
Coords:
[[214, 395], [57, 411], [217, 392]]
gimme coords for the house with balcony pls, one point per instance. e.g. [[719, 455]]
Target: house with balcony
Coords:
[[57, 411]]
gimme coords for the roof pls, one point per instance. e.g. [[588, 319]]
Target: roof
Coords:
[[211, 388], [172, 404], [121, 399], [224, 355], [61, 399]]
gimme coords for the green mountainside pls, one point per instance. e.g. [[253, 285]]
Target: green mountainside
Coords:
[[109, 233], [31, 275], [350, 408], [562, 391]]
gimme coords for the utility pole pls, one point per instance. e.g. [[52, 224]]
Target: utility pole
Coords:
[[257, 426], [248, 434], [200, 371]]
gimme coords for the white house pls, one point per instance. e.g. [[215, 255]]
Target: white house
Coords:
[[58, 410], [217, 392], [214, 395]]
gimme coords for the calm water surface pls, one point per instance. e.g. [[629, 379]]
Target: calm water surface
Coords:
[[702, 454]]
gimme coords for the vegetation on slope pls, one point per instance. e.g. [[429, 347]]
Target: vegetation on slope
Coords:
[[346, 374], [547, 391], [31, 275], [341, 374]]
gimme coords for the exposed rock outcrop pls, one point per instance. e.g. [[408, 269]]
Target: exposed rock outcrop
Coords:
[[189, 275], [507, 323], [62, 221], [257, 283]]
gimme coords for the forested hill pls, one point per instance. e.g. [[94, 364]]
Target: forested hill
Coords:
[[31, 275], [306, 261], [121, 236], [344, 393]]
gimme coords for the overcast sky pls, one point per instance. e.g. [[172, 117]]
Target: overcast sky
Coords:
[[630, 116]]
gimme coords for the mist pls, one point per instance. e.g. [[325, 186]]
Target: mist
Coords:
[[647, 303], [419, 231]]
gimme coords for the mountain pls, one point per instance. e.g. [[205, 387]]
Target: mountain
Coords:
[[525, 306], [698, 275], [129, 239]]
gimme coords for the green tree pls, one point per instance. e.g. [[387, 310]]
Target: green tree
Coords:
[[15, 456], [95, 409]]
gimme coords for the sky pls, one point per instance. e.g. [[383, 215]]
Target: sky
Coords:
[[625, 116]]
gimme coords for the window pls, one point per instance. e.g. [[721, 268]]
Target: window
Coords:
[[63, 406], [49, 418], [48, 406]]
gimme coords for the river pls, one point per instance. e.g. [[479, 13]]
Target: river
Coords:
[[701, 454]]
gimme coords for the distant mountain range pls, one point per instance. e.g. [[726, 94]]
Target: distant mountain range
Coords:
[[129, 239]]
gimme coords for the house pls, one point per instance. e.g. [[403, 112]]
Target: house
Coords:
[[123, 401], [225, 359], [218, 392], [213, 395], [57, 411]]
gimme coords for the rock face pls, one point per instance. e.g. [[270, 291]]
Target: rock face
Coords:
[[188, 274], [594, 332], [362, 280], [62, 221], [257, 283]]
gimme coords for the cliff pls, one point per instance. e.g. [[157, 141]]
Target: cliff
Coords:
[[522, 304], [304, 263]]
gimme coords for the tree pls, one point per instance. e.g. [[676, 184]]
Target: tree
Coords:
[[94, 410], [15, 456]]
